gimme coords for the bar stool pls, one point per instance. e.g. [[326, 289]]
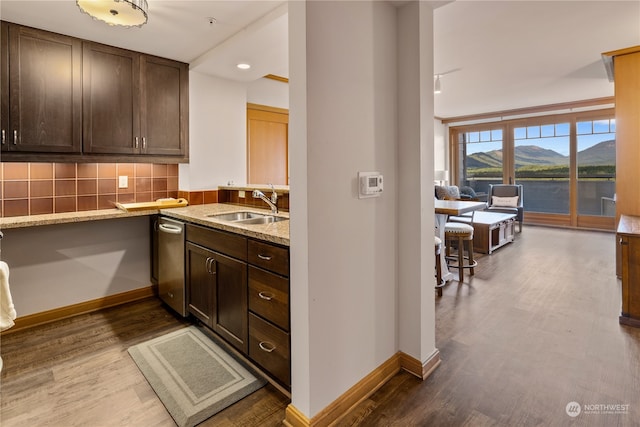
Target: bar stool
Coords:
[[438, 250], [459, 233]]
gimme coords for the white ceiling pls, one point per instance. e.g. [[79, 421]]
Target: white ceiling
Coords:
[[505, 55], [179, 30], [497, 55]]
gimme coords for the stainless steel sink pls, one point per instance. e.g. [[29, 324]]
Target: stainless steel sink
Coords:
[[267, 219], [236, 216], [245, 217]]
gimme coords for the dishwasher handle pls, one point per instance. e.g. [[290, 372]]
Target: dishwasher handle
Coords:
[[171, 229]]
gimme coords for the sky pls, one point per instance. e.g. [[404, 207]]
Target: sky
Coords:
[[549, 140]]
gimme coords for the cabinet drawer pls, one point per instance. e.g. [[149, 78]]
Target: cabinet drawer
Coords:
[[219, 241], [269, 257], [269, 347], [269, 296]]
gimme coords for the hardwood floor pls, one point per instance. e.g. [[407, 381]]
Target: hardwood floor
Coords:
[[534, 329], [77, 372]]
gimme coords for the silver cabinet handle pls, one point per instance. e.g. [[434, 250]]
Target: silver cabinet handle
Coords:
[[168, 228], [15, 137], [265, 296], [211, 265], [144, 142], [135, 144], [267, 346], [264, 257], [4, 137]]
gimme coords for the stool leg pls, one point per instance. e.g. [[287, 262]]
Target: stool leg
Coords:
[[471, 261], [439, 274], [460, 259]]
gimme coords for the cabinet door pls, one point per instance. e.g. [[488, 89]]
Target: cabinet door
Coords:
[[230, 318], [45, 91], [164, 106], [630, 252], [111, 101], [4, 84], [200, 282]]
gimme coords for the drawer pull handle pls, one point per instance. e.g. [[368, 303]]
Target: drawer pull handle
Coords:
[[265, 295], [267, 346], [264, 257], [211, 266], [15, 137], [4, 137]]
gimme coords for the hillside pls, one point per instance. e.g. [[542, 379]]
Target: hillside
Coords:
[[603, 153]]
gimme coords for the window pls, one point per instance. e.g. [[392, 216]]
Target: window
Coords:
[[565, 163], [596, 169], [542, 166], [481, 158]]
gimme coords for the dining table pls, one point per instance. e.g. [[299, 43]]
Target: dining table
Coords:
[[444, 209]]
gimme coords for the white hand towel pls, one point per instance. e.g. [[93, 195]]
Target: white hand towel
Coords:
[[7, 310]]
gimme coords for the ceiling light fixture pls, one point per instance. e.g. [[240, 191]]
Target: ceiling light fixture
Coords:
[[124, 13], [243, 66], [437, 88]]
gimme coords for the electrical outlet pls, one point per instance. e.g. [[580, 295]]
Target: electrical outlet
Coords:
[[241, 194], [123, 181]]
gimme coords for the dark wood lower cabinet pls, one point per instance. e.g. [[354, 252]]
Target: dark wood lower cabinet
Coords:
[[269, 347], [230, 309], [217, 293], [239, 288], [629, 243], [200, 283]]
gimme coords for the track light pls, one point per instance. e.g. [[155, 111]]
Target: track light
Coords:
[[436, 86]]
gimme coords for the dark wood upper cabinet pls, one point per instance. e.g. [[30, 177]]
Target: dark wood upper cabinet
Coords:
[[4, 83], [111, 106], [66, 99], [41, 91], [165, 106], [134, 103]]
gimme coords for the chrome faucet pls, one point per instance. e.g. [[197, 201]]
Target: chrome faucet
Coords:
[[271, 202]]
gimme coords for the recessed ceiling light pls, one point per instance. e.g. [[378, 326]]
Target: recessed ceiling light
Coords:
[[243, 66]]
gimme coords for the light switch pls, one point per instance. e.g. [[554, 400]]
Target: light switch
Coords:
[[123, 181]]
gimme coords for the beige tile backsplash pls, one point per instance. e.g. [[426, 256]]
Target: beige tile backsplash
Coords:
[[44, 188]]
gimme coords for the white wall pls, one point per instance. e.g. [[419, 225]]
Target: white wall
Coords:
[[217, 133], [345, 250], [269, 92], [55, 266], [416, 321], [440, 146]]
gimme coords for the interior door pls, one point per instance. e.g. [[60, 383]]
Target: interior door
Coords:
[[267, 145]]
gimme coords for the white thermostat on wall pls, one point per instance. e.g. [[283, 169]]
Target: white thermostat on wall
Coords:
[[370, 184]]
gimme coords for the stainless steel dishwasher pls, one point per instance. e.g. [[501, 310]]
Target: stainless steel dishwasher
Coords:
[[171, 282]]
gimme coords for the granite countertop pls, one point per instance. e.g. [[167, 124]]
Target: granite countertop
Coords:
[[276, 232], [67, 217], [283, 189]]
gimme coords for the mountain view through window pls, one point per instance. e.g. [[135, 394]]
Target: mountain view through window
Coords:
[[540, 158]]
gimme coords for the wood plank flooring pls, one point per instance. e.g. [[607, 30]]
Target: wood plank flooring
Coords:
[[77, 372], [534, 329]]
